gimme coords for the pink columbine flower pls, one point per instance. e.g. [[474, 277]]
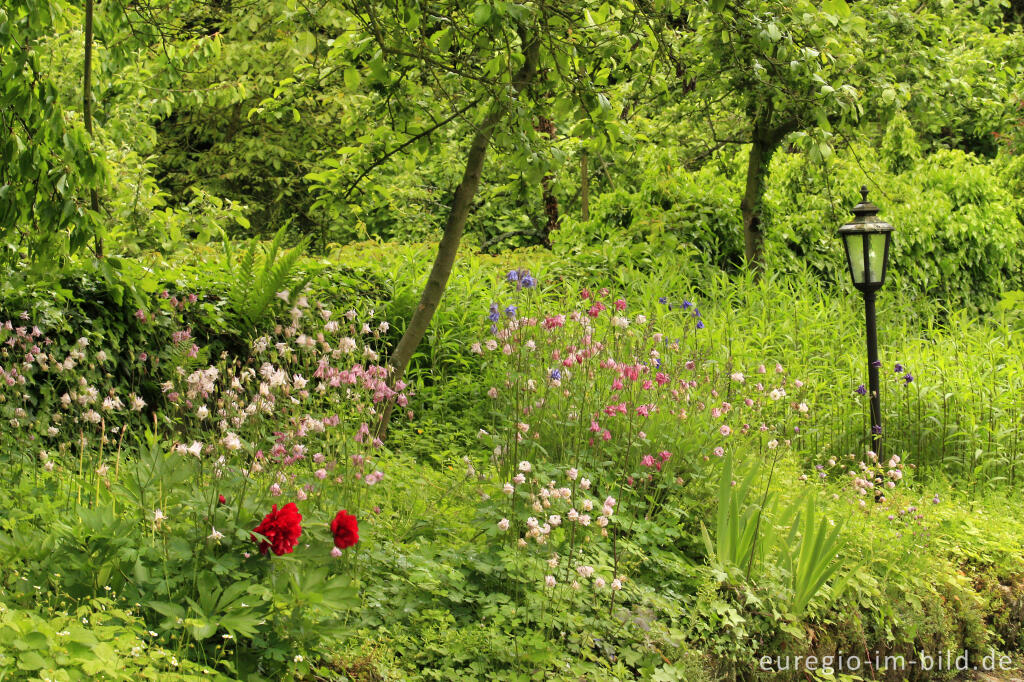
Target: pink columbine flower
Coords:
[[725, 430]]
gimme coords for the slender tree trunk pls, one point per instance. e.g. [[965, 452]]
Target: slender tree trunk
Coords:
[[94, 199], [753, 194], [437, 280], [547, 127], [584, 188], [445, 259]]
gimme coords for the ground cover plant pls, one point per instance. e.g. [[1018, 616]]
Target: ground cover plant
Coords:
[[509, 340], [631, 483]]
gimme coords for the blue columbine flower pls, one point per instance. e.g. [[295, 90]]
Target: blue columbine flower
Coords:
[[657, 362], [862, 389], [494, 315], [696, 312], [908, 377], [898, 368], [663, 300], [510, 312], [526, 280], [876, 363], [513, 276], [687, 304], [700, 324], [877, 430], [556, 374]]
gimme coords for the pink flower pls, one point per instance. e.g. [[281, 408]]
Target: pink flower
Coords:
[[606, 435], [725, 430], [647, 461], [719, 451], [620, 304], [492, 392]]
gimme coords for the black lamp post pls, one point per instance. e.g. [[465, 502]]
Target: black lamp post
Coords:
[[866, 239]]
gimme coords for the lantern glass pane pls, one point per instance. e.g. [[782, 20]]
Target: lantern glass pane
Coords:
[[855, 251], [876, 255]]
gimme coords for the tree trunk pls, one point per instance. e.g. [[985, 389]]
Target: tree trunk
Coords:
[[445, 259], [766, 139], [547, 127], [584, 188], [94, 199], [757, 171], [456, 223]]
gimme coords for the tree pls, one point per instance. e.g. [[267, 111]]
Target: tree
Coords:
[[490, 65], [46, 164], [760, 72]]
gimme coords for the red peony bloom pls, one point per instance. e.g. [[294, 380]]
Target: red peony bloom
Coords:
[[221, 499], [281, 530], [345, 529]]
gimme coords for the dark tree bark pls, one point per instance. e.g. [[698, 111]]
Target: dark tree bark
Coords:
[[546, 126], [94, 199], [584, 188]]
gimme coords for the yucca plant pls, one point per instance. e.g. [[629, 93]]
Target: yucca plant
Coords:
[[752, 533], [812, 560], [737, 523]]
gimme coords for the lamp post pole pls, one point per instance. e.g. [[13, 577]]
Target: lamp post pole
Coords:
[[866, 241], [873, 365]]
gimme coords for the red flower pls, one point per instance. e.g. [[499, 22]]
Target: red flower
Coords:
[[345, 529], [281, 530], [221, 499]]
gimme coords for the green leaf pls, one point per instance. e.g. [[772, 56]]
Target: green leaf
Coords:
[[351, 78], [482, 14]]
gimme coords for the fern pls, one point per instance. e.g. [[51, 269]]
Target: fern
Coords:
[[256, 280]]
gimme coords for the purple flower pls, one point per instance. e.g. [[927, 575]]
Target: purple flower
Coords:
[[556, 374], [686, 305], [862, 390], [877, 429], [512, 276], [494, 316], [510, 312], [663, 300], [908, 377], [898, 368], [876, 363], [700, 324]]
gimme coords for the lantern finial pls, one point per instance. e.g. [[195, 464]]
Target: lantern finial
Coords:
[[864, 193]]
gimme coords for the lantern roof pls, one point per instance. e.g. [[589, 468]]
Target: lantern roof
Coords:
[[865, 217]]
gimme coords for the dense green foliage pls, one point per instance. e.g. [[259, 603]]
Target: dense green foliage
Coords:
[[633, 441]]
